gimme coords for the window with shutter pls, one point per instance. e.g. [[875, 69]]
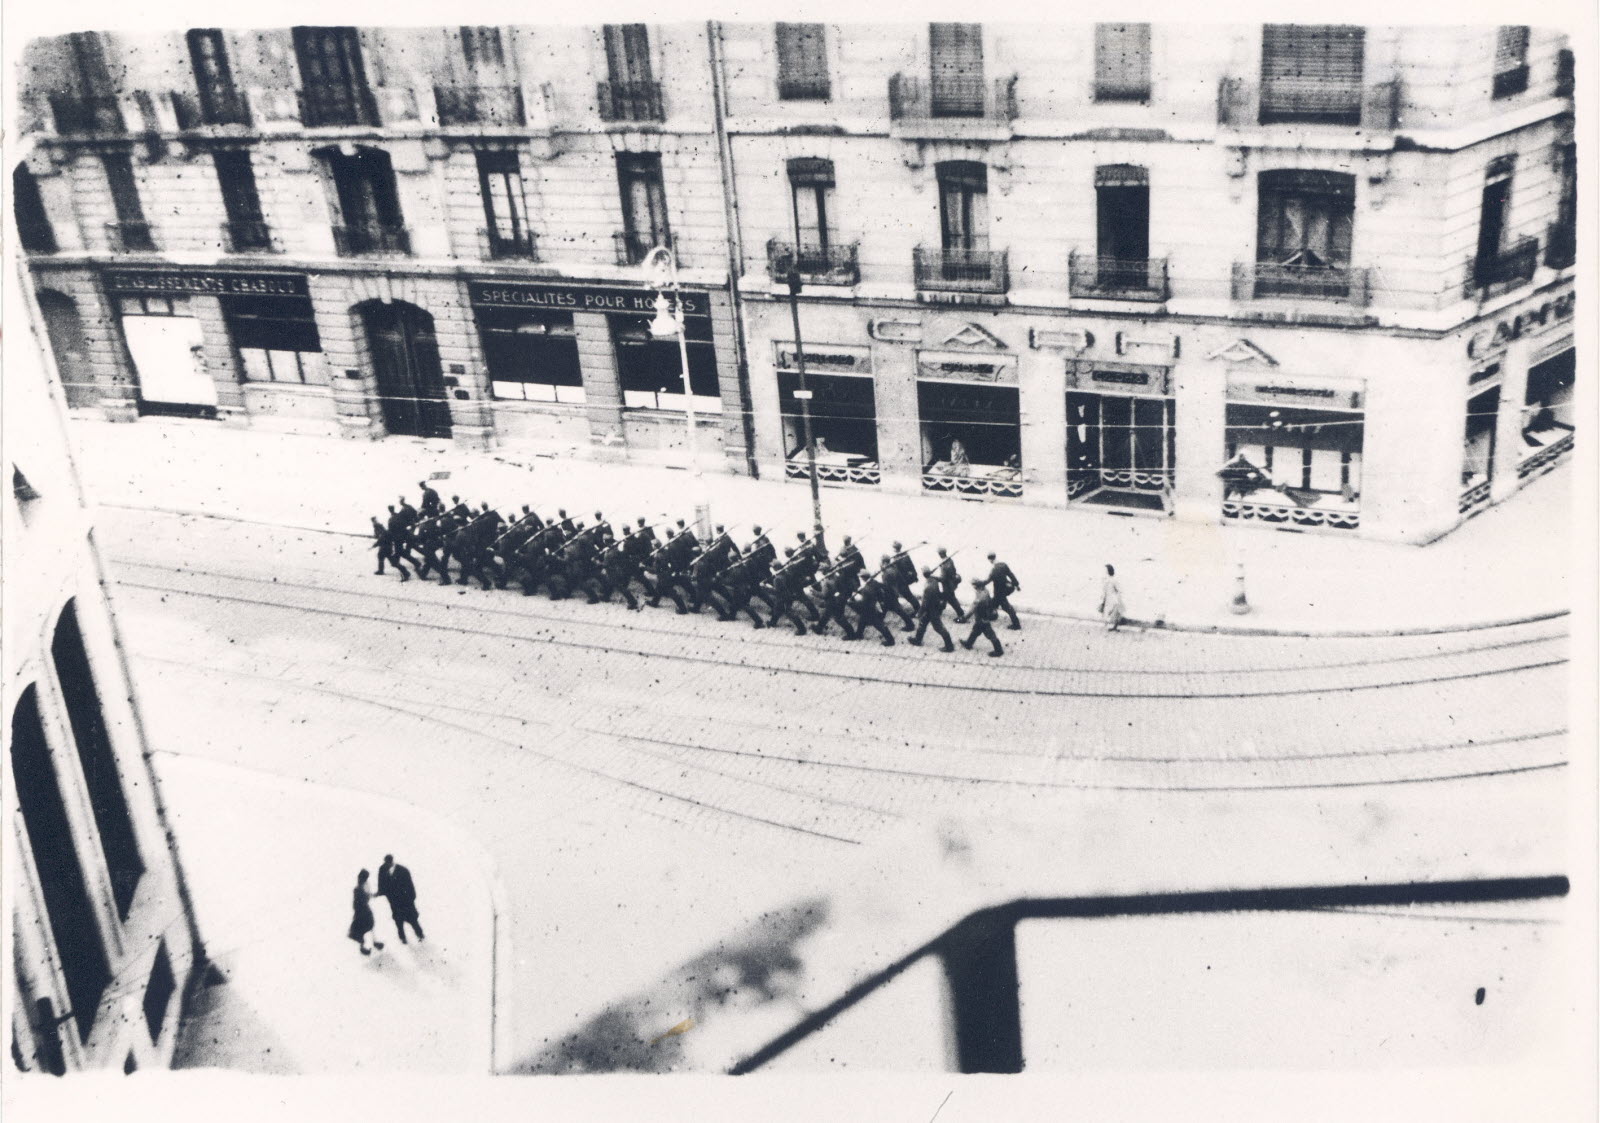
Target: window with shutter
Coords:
[[504, 204], [481, 47], [1311, 74], [1122, 62], [802, 62], [811, 187], [333, 77], [964, 207], [955, 53], [220, 103], [1510, 61]]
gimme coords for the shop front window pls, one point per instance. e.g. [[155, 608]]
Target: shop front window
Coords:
[[1547, 413], [1483, 411], [276, 338], [971, 437], [532, 356], [1120, 450], [651, 371], [1289, 465], [843, 424]]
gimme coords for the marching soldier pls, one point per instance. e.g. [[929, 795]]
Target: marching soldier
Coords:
[[431, 503], [646, 534], [787, 590], [902, 576], [850, 557], [833, 594], [887, 596], [1002, 583], [930, 614], [384, 543], [868, 607], [663, 564], [983, 614], [950, 581]]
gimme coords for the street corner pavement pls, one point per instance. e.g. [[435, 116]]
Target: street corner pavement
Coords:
[[270, 865]]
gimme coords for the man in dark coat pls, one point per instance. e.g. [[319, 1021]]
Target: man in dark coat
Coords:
[[983, 614], [394, 883], [930, 613], [386, 542], [1002, 583], [902, 576], [950, 581], [431, 503]]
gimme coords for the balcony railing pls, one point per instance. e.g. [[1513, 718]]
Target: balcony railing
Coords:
[[817, 265], [1490, 275], [500, 246], [248, 237], [630, 101], [957, 270], [1255, 280], [228, 107], [479, 105], [324, 104], [130, 237], [36, 237], [812, 88], [1241, 105], [77, 114], [1561, 245], [371, 238], [980, 99], [1509, 82], [633, 247], [1113, 278]]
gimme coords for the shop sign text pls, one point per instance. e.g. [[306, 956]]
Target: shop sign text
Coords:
[[577, 298], [206, 283], [958, 367], [1553, 311], [826, 358], [1246, 389]]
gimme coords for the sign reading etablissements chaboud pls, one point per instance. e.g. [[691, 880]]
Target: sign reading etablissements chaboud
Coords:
[[577, 298], [205, 282]]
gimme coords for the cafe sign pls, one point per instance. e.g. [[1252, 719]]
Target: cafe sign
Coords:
[[577, 298], [825, 358], [1488, 341], [1283, 392], [205, 282], [963, 366]]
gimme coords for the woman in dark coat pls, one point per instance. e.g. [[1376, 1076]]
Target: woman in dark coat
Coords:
[[361, 923]]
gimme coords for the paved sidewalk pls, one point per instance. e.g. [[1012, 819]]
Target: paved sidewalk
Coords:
[[1510, 562], [270, 865]]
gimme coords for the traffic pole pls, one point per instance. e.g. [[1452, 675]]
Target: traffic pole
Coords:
[[1240, 605]]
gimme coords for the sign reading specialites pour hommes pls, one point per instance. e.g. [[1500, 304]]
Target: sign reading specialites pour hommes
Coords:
[[577, 298], [204, 282]]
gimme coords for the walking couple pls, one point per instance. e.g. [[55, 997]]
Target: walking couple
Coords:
[[394, 883]]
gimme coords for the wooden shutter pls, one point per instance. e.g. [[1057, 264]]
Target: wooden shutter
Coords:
[[628, 53], [802, 61], [1122, 61], [1511, 49]]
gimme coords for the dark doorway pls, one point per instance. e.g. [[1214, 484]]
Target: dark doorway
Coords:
[[405, 358], [64, 326]]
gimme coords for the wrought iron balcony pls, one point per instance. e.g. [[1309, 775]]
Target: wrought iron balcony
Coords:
[[479, 105], [500, 246], [1492, 274], [367, 238], [811, 88], [1561, 245], [248, 237], [1112, 278], [1509, 82], [36, 236], [1240, 104], [634, 246], [324, 104], [817, 265], [228, 107], [956, 270], [76, 114], [913, 99], [1256, 280], [130, 237], [630, 101]]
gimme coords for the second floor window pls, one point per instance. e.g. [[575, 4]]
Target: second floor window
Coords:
[[1122, 218], [955, 54], [1510, 61], [811, 192], [33, 224], [632, 93], [1311, 74], [247, 229], [1121, 62], [131, 227], [1305, 224], [482, 49], [366, 201], [1493, 216], [504, 204], [220, 103], [644, 203], [802, 62], [963, 207], [333, 77]]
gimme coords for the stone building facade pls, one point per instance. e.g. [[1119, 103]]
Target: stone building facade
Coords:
[[1313, 277]]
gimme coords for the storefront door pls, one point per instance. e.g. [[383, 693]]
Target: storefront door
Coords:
[[166, 356], [405, 360]]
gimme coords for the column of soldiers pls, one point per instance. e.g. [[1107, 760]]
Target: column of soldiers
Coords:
[[801, 586]]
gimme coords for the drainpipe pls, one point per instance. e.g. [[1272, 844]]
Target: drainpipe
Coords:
[[730, 213]]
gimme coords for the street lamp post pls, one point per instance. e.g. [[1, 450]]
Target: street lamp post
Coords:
[[803, 395], [661, 266]]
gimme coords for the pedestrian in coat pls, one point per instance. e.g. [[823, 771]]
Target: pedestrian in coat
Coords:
[[361, 922], [395, 884], [983, 614], [1111, 601], [1002, 583], [930, 613]]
